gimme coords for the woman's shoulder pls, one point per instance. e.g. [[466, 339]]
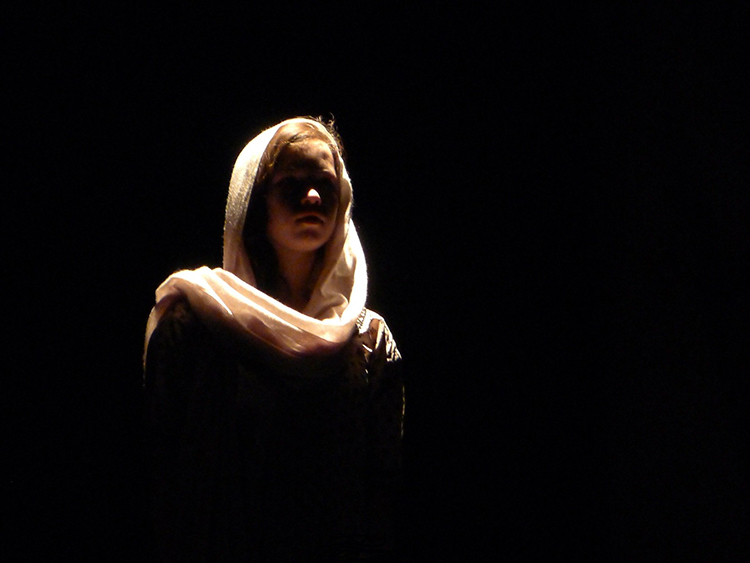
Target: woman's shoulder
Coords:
[[181, 347], [377, 336], [178, 325]]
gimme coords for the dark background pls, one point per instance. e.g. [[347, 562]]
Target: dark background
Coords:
[[555, 212]]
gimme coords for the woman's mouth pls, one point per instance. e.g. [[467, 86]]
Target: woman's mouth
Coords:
[[311, 219]]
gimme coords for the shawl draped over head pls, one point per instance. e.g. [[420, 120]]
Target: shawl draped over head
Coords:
[[227, 296]]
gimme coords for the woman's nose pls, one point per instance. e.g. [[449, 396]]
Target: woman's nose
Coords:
[[312, 198]]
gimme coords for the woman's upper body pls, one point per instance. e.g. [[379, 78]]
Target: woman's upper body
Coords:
[[276, 397]]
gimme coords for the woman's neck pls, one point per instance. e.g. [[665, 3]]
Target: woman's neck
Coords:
[[297, 272]]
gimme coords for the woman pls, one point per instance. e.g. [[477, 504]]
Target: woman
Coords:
[[275, 396]]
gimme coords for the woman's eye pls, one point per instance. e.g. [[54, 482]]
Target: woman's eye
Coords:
[[291, 184], [324, 185]]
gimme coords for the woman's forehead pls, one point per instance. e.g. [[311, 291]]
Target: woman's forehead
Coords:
[[305, 155]]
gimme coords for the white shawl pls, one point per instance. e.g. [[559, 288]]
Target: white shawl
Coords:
[[228, 295]]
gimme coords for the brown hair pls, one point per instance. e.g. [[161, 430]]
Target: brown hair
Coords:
[[259, 249], [296, 132]]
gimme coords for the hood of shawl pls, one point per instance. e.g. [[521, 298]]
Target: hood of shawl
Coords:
[[332, 294]]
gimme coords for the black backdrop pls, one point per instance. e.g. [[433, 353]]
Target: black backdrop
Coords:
[[554, 210]]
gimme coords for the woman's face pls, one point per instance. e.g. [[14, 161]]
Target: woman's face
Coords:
[[303, 197]]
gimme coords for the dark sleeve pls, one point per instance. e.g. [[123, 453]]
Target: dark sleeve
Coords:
[[386, 426], [387, 418], [190, 405]]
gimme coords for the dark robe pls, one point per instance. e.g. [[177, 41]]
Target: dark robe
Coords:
[[254, 463]]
